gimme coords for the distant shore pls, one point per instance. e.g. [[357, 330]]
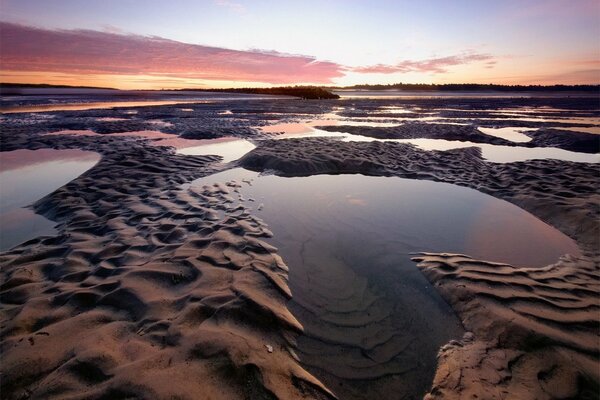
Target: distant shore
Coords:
[[321, 93]]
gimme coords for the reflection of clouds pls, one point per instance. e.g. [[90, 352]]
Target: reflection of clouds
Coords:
[[501, 232], [25, 159], [356, 201], [229, 148]]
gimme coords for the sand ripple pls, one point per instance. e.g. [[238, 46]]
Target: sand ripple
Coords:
[[534, 330], [151, 290]]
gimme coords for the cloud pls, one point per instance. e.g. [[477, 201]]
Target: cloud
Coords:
[[26, 48], [432, 65], [231, 5]]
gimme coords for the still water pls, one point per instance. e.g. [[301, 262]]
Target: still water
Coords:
[[372, 321], [25, 177], [492, 153]]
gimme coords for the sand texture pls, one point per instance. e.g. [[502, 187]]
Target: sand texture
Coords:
[[564, 194], [533, 331], [566, 140], [158, 290], [150, 291]]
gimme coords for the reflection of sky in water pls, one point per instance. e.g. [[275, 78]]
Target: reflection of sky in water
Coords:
[[409, 215], [25, 177], [509, 133], [229, 148], [595, 130], [505, 154], [347, 240], [493, 153], [94, 106]]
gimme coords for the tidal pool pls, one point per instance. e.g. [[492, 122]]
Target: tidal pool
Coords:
[[230, 148], [514, 134], [373, 324], [490, 152], [25, 177]]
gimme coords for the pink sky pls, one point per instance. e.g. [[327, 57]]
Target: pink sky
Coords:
[[218, 43]]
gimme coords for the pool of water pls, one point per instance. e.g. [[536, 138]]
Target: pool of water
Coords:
[[25, 177], [230, 148], [505, 154], [93, 105], [371, 319], [514, 134], [493, 153]]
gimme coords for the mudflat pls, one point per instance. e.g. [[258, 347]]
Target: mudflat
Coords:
[[155, 287]]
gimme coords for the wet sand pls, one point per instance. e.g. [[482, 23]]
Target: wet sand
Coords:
[[156, 289]]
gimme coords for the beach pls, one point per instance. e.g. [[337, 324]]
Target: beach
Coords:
[[437, 247]]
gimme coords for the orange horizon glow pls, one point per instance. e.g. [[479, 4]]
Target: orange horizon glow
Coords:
[[135, 82], [126, 61]]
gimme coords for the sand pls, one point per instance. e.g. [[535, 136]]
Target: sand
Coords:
[[533, 332], [544, 137], [149, 291], [560, 193], [153, 289]]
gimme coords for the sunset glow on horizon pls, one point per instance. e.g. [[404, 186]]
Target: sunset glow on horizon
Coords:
[[216, 44]]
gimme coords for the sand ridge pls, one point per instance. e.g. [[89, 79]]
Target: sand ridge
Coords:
[[544, 137], [151, 290], [561, 193], [533, 331]]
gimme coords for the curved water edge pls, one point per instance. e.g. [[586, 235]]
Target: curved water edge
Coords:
[[490, 152], [368, 313], [27, 176], [229, 148]]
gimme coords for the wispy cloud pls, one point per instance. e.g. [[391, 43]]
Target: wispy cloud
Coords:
[[432, 65], [232, 5], [26, 48]]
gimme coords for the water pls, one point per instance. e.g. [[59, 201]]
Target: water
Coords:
[[514, 134], [92, 106], [369, 314], [506, 154], [492, 153], [230, 148], [25, 177]]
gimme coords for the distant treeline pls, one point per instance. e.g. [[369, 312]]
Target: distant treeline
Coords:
[[305, 92], [475, 87], [46, 86], [315, 92]]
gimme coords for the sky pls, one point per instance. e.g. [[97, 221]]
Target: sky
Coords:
[[235, 43]]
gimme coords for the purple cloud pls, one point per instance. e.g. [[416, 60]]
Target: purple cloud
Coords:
[[26, 48], [434, 65]]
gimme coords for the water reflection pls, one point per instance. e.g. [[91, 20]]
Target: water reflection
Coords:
[[28, 175], [408, 210], [509, 133], [230, 148], [492, 153], [506, 154], [93, 106], [368, 313]]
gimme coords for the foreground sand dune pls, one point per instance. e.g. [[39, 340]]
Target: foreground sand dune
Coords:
[[150, 291], [533, 331]]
